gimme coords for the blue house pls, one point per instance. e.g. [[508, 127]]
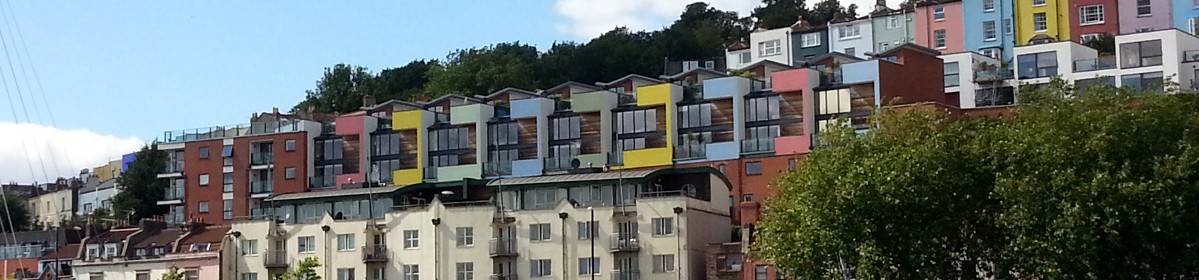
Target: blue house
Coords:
[[1000, 11]]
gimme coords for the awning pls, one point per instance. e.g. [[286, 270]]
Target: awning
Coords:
[[227, 151]]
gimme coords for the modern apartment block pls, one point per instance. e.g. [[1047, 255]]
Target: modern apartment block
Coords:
[[1142, 61], [614, 224], [218, 173], [976, 80]]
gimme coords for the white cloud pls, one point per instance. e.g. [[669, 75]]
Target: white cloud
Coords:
[[590, 18], [72, 151]]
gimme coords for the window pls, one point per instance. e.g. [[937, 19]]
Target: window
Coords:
[[883, 46], [1088, 15], [769, 48], [199, 247], [850, 51], [588, 230], [466, 271], [1143, 8], [1138, 54], [503, 133], [939, 13], [330, 149], [790, 164], [143, 275], [588, 266], [289, 173], [289, 145], [449, 139], [695, 115], [939, 38], [411, 239], [1143, 82], [637, 121], [951, 74], [1087, 37], [158, 251], [1007, 26], [306, 244], [228, 187], [249, 247], [203, 152], [1038, 22], [465, 236], [809, 40], [249, 276], [95, 276], [1083, 84], [345, 274], [893, 22], [730, 262], [1037, 65], [387, 143], [411, 272], [663, 263], [833, 101], [762, 108], [203, 207], [747, 198], [989, 31], [663, 226], [710, 64], [849, 31], [760, 272], [345, 242], [1038, 2], [745, 58], [540, 268], [203, 179], [191, 274], [227, 210], [539, 232], [753, 168], [721, 168], [988, 5], [565, 128]]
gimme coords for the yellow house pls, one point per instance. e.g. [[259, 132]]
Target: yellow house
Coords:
[[1042, 17]]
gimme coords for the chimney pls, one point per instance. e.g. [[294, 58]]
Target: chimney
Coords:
[[368, 100], [275, 110], [880, 5]]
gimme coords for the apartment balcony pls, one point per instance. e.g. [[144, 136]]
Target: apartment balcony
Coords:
[[430, 173], [1190, 56], [502, 277], [501, 247], [993, 75], [261, 159], [218, 132], [690, 151], [623, 242], [374, 253], [693, 92], [758, 145], [833, 77], [276, 259], [322, 182], [172, 169], [626, 275], [173, 195], [262, 214], [259, 189], [1095, 64], [500, 168], [558, 164], [615, 158]]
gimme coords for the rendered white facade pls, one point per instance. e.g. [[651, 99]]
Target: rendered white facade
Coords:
[[1176, 60], [858, 37], [970, 69]]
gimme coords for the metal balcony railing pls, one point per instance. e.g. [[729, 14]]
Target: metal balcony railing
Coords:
[[173, 193], [1095, 64], [501, 247], [322, 182], [991, 75], [499, 168], [276, 259], [173, 167], [258, 187], [217, 132], [690, 151], [374, 253], [757, 145], [262, 214], [262, 158], [623, 242], [626, 275], [558, 163]]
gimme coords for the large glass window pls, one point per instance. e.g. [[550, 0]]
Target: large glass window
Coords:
[[833, 101], [849, 31], [952, 78], [1138, 54], [1037, 65], [809, 40], [769, 48], [762, 132], [989, 31], [697, 115], [762, 108], [508, 155], [1084, 84], [565, 128], [385, 169], [449, 139], [385, 144], [503, 133], [637, 121], [329, 149], [1143, 82]]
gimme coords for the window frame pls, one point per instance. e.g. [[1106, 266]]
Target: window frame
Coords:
[[249, 247], [464, 236], [664, 263], [988, 5], [1038, 3], [346, 242], [663, 226], [753, 168], [1083, 14], [939, 14], [955, 76], [808, 40], [411, 239], [849, 31], [1037, 67], [203, 207], [306, 244], [770, 48], [1043, 22], [940, 39], [1146, 5], [1141, 58], [543, 232], [990, 31]]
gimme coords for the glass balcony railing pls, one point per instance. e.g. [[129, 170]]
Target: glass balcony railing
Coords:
[[173, 167], [260, 187], [262, 213], [690, 151], [1190, 56], [430, 173], [558, 163], [499, 168], [693, 92], [1095, 64], [262, 158], [217, 132], [833, 77], [991, 75], [441, 117], [758, 145], [322, 182], [173, 193], [616, 159]]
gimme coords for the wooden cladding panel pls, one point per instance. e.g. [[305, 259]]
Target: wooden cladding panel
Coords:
[[528, 131], [722, 112]]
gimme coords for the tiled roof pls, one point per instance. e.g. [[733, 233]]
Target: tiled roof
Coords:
[[738, 46], [114, 236], [210, 234], [65, 252], [160, 238]]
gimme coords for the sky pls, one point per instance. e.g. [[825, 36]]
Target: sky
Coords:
[[116, 74]]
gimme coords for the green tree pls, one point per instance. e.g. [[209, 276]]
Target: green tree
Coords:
[[15, 216], [305, 270], [172, 274], [783, 13], [140, 186], [1101, 184], [702, 32], [403, 83], [1105, 44], [340, 90], [481, 71]]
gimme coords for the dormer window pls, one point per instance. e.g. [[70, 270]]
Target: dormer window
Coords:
[[140, 252], [158, 251], [200, 247]]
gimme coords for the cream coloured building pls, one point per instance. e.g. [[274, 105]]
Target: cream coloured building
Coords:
[[537, 230]]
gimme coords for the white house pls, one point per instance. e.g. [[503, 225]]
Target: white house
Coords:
[[1142, 61], [852, 37]]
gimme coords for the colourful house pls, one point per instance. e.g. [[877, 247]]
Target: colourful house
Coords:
[[939, 26], [982, 15], [1043, 20]]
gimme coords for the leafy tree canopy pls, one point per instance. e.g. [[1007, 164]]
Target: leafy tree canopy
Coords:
[[15, 215], [140, 187], [1095, 184], [305, 270]]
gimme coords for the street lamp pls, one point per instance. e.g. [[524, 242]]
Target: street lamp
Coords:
[[589, 225]]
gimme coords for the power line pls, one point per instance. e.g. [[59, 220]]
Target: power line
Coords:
[[36, 77], [20, 94]]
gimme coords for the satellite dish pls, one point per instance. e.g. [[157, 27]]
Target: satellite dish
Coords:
[[574, 163]]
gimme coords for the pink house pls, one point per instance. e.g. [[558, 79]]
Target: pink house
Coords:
[[939, 25]]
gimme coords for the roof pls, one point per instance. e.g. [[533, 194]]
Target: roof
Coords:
[[803, 26], [833, 55], [763, 62], [600, 178], [96, 185], [116, 235], [160, 238], [926, 3], [47, 236], [391, 103], [512, 90], [333, 193], [737, 46], [210, 234], [65, 252], [911, 46], [571, 84], [700, 69], [628, 77]]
